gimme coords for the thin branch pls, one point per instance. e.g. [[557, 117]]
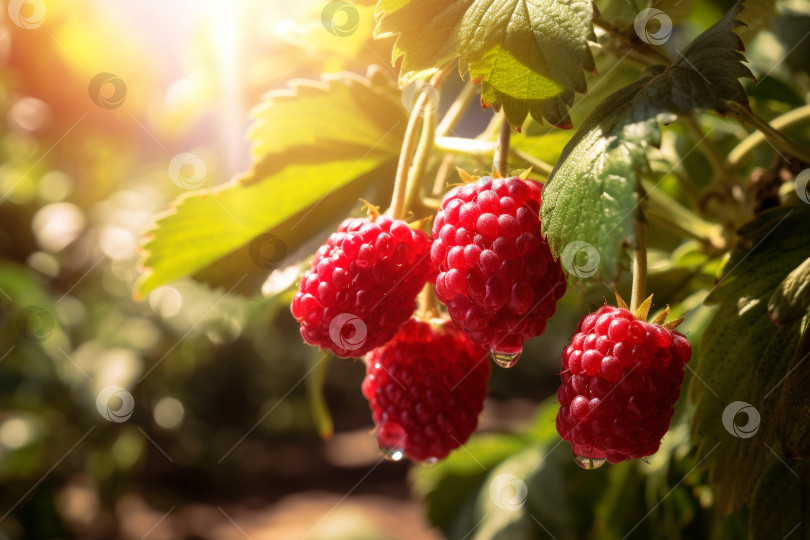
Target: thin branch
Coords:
[[398, 200], [758, 137], [777, 138], [639, 266], [416, 173], [477, 148], [502, 148], [457, 109], [441, 175], [716, 159], [538, 165]]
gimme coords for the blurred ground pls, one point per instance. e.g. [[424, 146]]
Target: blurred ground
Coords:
[[311, 514]]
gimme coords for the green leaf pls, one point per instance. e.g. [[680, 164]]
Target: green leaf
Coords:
[[592, 193], [528, 55], [791, 300], [291, 124], [744, 358], [449, 487], [781, 502], [316, 377], [793, 415], [308, 168]]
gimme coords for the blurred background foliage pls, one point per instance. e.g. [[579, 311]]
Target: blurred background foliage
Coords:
[[223, 440]]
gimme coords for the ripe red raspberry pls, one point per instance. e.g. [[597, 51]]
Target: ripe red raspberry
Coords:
[[362, 285], [426, 388], [497, 275], [620, 379]]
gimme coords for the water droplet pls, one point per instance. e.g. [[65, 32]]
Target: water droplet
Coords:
[[589, 462], [431, 461], [505, 359], [392, 454]]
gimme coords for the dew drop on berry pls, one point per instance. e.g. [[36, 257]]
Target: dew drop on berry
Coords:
[[392, 454], [588, 457], [505, 359]]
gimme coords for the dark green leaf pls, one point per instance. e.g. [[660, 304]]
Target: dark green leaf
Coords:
[[781, 502], [791, 300], [529, 56], [744, 358], [793, 416], [449, 485], [592, 194]]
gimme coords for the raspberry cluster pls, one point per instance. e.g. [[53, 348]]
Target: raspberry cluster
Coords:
[[426, 384], [362, 285], [426, 388], [620, 380], [497, 275]]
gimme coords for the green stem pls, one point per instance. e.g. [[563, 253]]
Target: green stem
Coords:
[[639, 266], [490, 131], [477, 147], [758, 137], [398, 200], [397, 210], [460, 145], [663, 209], [428, 303], [317, 402], [454, 114], [441, 175], [416, 174], [716, 159], [777, 138], [538, 165], [502, 147]]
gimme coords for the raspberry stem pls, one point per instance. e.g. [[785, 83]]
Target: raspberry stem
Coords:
[[479, 147], [758, 137], [398, 200], [639, 267], [428, 303], [397, 209], [502, 149], [779, 139], [719, 163], [457, 109], [416, 173]]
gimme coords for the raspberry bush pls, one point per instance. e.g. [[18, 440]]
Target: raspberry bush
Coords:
[[671, 180]]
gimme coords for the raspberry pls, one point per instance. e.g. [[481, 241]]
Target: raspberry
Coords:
[[621, 378], [426, 388], [497, 275], [362, 285]]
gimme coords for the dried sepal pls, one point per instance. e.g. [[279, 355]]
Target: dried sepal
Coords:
[[466, 177], [420, 223], [373, 211], [662, 316], [619, 300], [672, 325], [644, 309]]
